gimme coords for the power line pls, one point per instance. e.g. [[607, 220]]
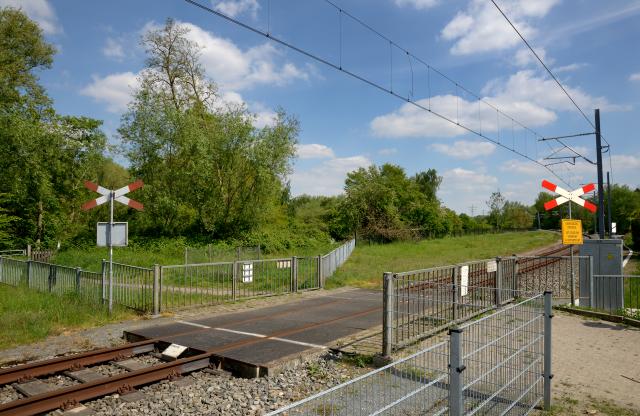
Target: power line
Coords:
[[544, 65], [389, 90]]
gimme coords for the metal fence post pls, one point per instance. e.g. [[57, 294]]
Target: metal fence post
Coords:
[[157, 272], [547, 349], [498, 281], [515, 277], [52, 271], [29, 273], [592, 303], [78, 276], [234, 281], [103, 272], [387, 314], [456, 292], [320, 277], [456, 367], [294, 274]]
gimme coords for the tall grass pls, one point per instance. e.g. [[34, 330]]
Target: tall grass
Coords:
[[367, 264], [27, 316]]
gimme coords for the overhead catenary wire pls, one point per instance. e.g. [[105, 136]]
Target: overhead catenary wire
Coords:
[[390, 89]]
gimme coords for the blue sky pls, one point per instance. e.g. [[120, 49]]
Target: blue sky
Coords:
[[592, 46]]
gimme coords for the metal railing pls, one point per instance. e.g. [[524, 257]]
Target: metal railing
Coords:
[[336, 258], [499, 364], [616, 294], [133, 286], [213, 283], [420, 303]]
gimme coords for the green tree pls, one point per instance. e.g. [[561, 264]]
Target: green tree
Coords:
[[496, 205], [206, 167]]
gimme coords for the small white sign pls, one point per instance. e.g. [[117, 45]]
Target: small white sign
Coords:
[[173, 351], [283, 264], [247, 272], [119, 238], [492, 266], [614, 228], [464, 280]]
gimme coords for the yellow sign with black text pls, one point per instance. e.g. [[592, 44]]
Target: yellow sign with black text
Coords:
[[571, 232]]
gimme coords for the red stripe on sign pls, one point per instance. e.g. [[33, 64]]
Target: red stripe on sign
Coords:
[[137, 184], [91, 186], [136, 205], [588, 188], [548, 185], [90, 204], [550, 205], [588, 205]]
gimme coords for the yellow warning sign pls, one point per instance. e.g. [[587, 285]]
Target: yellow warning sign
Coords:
[[571, 232]]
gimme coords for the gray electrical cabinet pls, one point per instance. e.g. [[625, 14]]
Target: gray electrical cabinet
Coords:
[[604, 285]]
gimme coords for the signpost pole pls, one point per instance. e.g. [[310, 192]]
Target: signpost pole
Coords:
[[110, 233], [573, 280]]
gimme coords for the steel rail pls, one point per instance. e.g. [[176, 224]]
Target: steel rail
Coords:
[[56, 365]]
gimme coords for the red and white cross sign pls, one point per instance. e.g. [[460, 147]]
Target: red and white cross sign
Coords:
[[119, 195], [565, 196]]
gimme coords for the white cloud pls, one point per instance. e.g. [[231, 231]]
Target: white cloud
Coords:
[[524, 57], [235, 69], [463, 149], [314, 151], [463, 187], [328, 177], [388, 151], [40, 11], [234, 8], [114, 90], [416, 4], [634, 77], [530, 99], [481, 28], [231, 67], [569, 68], [113, 49]]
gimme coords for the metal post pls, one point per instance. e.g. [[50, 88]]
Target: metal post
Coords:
[[498, 282], [320, 277], [29, 272], [234, 281], [548, 314], [387, 314], [294, 274], [456, 292], [111, 199], [104, 280], [52, 271], [456, 367], [600, 179], [609, 206], [516, 270], [78, 276], [573, 279], [592, 303], [157, 272]]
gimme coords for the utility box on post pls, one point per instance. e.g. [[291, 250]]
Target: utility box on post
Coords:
[[608, 292]]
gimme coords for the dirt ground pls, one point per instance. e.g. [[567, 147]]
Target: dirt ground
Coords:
[[596, 366]]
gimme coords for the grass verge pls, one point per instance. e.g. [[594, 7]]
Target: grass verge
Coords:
[[367, 263], [28, 316]]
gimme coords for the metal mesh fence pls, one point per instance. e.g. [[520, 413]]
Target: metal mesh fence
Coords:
[[421, 302], [502, 359], [13, 272], [415, 385], [497, 365]]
